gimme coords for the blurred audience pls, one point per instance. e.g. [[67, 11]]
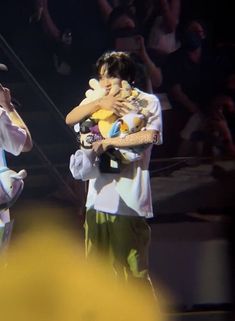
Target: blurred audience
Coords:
[[67, 33], [189, 78], [56, 27], [162, 38], [125, 35], [221, 121], [198, 28]]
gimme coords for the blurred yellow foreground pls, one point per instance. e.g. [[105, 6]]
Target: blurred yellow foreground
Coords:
[[44, 276]]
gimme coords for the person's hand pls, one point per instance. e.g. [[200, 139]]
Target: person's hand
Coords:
[[124, 108], [141, 51], [115, 104], [100, 146], [5, 99]]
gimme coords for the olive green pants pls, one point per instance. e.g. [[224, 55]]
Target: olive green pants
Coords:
[[123, 240]]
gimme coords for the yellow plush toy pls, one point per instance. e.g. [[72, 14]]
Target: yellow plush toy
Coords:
[[103, 117], [104, 123]]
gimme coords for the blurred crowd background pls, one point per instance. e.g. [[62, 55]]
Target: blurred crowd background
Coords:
[[184, 49]]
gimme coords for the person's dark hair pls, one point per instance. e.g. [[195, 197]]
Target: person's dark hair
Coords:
[[119, 65], [201, 22]]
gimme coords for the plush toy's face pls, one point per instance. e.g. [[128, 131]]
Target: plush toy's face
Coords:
[[131, 123], [89, 133], [86, 140]]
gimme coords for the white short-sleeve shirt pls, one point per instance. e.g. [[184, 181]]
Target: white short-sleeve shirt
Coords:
[[128, 192]]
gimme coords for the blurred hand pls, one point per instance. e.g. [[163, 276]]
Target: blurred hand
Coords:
[[5, 98], [113, 104], [123, 109], [99, 147], [141, 46]]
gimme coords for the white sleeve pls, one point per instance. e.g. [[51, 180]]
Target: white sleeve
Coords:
[[12, 137], [154, 121]]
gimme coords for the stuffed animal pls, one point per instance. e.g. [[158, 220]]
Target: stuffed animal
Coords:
[[128, 124], [89, 130], [11, 186], [88, 133], [101, 122], [106, 118]]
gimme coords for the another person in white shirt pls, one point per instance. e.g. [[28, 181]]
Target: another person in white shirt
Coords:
[[14, 135]]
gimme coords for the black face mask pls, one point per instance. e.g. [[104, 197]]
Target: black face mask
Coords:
[[191, 41]]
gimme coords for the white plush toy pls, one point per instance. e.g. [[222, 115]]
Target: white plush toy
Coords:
[[95, 91], [11, 186]]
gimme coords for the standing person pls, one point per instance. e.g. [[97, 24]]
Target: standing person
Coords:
[[14, 137], [125, 35], [118, 204], [162, 36]]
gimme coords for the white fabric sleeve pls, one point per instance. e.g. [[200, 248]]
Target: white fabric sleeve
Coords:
[[12, 137], [154, 121], [82, 165]]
